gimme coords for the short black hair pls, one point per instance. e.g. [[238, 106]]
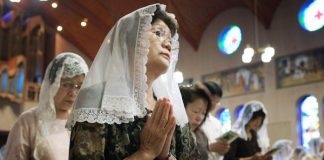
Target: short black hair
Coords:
[[190, 94], [258, 114], [169, 21], [214, 88]]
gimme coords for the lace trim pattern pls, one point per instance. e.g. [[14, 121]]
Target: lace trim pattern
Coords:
[[141, 51], [73, 67], [97, 115], [124, 109]]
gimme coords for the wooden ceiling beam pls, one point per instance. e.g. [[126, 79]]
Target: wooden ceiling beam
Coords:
[[83, 12]]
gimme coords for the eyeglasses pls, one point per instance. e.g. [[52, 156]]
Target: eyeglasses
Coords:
[[162, 34], [70, 86]]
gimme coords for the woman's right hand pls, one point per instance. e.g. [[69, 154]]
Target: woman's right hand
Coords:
[[155, 132], [219, 147]]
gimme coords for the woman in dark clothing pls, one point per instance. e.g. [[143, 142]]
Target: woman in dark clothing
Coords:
[[197, 104], [251, 126], [115, 115]]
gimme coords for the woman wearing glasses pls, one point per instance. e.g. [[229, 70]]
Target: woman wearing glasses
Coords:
[[39, 133], [115, 115]]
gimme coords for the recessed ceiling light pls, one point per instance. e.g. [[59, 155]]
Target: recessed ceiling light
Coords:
[[59, 28], [84, 22], [54, 5]]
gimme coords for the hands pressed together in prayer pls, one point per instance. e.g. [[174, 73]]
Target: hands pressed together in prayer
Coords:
[[157, 133]]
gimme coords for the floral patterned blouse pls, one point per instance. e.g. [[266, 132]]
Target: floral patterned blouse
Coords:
[[118, 141]]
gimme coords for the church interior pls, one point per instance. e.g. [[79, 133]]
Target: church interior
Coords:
[[271, 51]]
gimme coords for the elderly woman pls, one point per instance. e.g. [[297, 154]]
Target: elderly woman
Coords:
[[251, 126], [40, 133], [115, 115]]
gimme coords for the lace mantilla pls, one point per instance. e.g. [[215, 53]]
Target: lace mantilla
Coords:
[[116, 115], [73, 67], [123, 109], [141, 52]]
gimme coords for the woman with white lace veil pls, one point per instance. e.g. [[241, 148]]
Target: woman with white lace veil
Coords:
[[40, 133], [112, 116], [251, 125], [316, 147], [285, 152]]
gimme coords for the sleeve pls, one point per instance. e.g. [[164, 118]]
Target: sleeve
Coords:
[[87, 141], [18, 144], [185, 147], [231, 154], [46, 152]]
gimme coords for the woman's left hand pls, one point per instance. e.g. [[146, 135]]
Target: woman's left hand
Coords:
[[166, 148]]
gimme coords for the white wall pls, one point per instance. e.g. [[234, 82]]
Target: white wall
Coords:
[[285, 35]]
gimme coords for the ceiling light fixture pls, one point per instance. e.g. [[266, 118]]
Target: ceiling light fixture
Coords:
[[266, 53], [59, 28], [84, 22], [54, 5], [15, 1]]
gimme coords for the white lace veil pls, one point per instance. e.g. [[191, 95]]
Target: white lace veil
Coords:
[[243, 119], [285, 152], [314, 146], [115, 89], [65, 65]]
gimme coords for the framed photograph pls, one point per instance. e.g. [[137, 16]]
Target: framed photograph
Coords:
[[239, 81], [301, 68]]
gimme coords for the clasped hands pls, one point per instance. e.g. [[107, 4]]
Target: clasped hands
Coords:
[[156, 136]]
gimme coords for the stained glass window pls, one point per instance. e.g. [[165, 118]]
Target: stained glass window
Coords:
[[20, 81], [230, 39], [238, 110], [311, 15], [4, 80], [308, 119], [224, 116]]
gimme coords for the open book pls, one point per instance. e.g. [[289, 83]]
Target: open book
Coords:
[[273, 151], [228, 137]]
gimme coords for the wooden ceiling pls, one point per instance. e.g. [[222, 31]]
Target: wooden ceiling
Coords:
[[193, 17]]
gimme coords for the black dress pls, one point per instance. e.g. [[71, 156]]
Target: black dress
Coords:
[[241, 148], [118, 141]]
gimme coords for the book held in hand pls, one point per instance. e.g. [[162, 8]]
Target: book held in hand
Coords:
[[228, 137], [273, 151]]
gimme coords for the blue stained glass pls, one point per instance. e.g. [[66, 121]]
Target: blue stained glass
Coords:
[[311, 15], [20, 81], [4, 81], [309, 120], [238, 110], [230, 39], [224, 116]]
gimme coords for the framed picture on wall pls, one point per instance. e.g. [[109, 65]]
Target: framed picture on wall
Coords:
[[239, 81], [301, 68]]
